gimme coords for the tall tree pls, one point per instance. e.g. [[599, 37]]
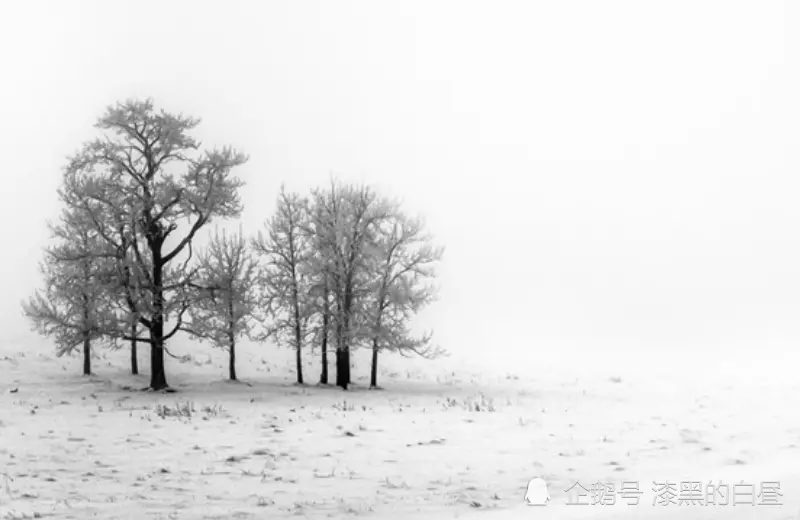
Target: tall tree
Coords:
[[345, 221], [285, 248], [405, 267], [68, 309], [228, 269], [148, 173]]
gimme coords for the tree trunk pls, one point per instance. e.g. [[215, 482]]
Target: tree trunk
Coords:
[[87, 348], [342, 359], [134, 351], [373, 379], [158, 377], [343, 309], [346, 366], [348, 309], [231, 336], [298, 335], [299, 366], [342, 367], [298, 341], [323, 378], [134, 323], [232, 360], [87, 355]]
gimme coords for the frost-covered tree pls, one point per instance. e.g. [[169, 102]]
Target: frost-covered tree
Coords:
[[229, 270], [148, 190], [70, 307], [404, 271], [284, 247], [345, 221]]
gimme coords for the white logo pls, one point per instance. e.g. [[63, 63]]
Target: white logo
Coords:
[[537, 494]]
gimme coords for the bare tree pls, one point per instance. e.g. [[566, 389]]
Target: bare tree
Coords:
[[142, 183], [68, 307], [288, 300], [405, 266], [229, 271], [345, 221]]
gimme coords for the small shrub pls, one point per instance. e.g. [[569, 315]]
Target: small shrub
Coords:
[[185, 409], [214, 410], [344, 407], [476, 403]]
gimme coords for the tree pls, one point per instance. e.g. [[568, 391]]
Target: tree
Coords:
[[229, 271], [405, 266], [345, 221], [141, 184], [68, 307], [286, 282]]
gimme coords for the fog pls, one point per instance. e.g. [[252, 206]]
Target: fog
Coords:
[[607, 177]]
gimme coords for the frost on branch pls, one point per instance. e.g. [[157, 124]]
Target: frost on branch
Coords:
[[404, 261], [344, 222], [228, 274], [285, 250], [148, 190], [70, 309]]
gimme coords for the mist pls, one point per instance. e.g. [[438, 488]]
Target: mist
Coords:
[[612, 181]]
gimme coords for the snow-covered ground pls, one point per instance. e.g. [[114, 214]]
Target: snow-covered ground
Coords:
[[440, 441]]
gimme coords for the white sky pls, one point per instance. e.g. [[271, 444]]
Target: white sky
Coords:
[[601, 173]]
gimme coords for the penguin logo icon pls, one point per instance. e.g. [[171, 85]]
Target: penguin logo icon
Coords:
[[537, 494]]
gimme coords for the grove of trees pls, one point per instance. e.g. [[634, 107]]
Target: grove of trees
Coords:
[[341, 268]]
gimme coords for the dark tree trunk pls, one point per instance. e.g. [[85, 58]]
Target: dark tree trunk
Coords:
[[298, 334], [232, 360], [134, 351], [298, 341], [299, 365], [323, 378], [373, 378], [346, 365], [158, 377], [134, 324], [342, 358], [87, 347], [348, 306], [231, 336], [342, 367], [87, 355]]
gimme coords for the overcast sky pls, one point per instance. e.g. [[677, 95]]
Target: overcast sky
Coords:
[[601, 173]]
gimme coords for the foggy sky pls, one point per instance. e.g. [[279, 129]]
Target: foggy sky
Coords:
[[600, 173]]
